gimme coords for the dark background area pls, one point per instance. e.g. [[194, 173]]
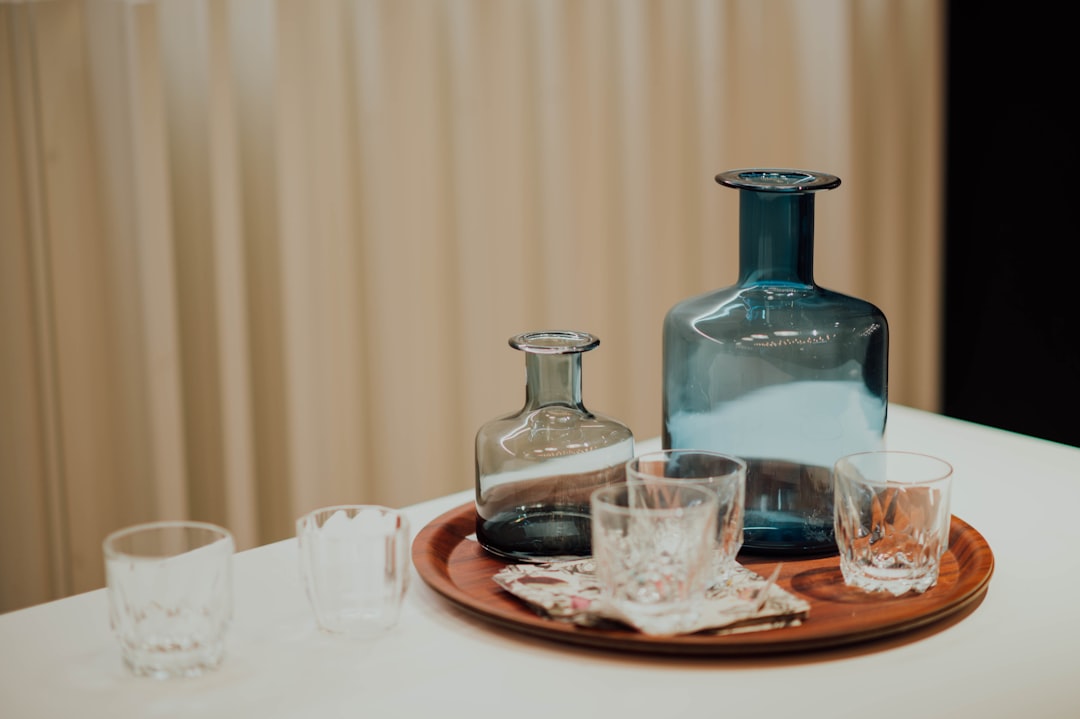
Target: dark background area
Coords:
[[1011, 303]]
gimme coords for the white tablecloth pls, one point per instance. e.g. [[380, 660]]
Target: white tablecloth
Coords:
[[1016, 655]]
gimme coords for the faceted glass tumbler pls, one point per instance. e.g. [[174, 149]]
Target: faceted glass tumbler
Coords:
[[722, 474], [777, 370], [536, 467], [654, 548], [170, 592], [892, 519]]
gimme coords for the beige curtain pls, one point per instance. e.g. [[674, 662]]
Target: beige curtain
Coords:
[[258, 256]]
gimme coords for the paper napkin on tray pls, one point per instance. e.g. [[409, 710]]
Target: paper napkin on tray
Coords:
[[567, 591]]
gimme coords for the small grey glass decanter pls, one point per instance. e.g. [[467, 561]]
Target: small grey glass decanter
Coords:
[[536, 468], [777, 370]]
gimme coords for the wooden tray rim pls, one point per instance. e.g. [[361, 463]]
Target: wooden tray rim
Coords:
[[976, 566]]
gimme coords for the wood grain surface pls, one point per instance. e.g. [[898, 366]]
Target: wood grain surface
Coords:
[[452, 563]]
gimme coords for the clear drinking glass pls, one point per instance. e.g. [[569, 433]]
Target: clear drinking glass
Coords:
[[653, 553], [722, 474], [355, 563], [892, 519], [535, 468], [170, 596]]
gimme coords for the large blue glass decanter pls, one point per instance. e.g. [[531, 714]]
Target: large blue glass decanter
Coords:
[[788, 375]]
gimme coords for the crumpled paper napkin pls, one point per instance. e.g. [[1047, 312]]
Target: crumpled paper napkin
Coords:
[[568, 591]]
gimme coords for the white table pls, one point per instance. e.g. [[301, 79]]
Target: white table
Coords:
[[1016, 655]]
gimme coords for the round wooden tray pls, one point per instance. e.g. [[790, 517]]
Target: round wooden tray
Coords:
[[449, 559]]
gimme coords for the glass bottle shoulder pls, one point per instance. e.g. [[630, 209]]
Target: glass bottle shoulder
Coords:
[[552, 429], [769, 304]]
